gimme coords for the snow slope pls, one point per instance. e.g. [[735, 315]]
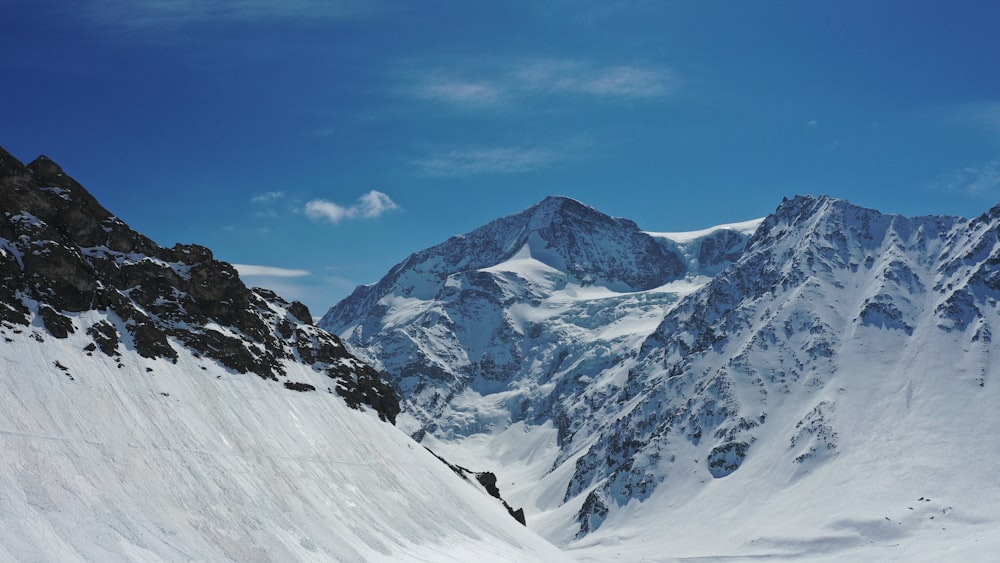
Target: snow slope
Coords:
[[154, 408], [831, 396], [828, 394], [156, 461]]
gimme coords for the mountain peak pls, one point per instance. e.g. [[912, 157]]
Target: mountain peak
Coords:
[[9, 165], [557, 200], [561, 210], [45, 166], [810, 212], [801, 206], [559, 203]]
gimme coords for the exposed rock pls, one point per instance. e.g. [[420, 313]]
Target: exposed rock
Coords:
[[58, 325], [300, 312], [60, 248], [105, 337], [488, 480]]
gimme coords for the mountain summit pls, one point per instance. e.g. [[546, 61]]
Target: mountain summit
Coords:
[[589, 246], [586, 246], [511, 306], [816, 384]]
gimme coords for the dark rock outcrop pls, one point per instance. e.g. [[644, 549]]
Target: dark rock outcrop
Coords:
[[62, 253], [488, 480]]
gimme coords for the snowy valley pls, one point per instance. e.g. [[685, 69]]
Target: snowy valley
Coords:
[[819, 385]]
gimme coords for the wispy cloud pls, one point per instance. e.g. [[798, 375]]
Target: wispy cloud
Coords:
[[369, 206], [251, 270], [454, 163], [317, 291], [984, 114], [579, 77], [477, 162], [508, 83], [454, 91], [981, 116], [267, 197], [978, 180], [374, 204]]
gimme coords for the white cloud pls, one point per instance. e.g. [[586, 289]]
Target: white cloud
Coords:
[[502, 160], [459, 92], [322, 209], [508, 83], [250, 270], [317, 291], [267, 197], [454, 163], [628, 81], [374, 204], [978, 180], [984, 114], [981, 116], [371, 205], [579, 77]]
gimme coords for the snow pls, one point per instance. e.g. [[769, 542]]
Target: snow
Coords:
[[189, 461], [923, 440], [61, 192], [745, 227], [828, 396]]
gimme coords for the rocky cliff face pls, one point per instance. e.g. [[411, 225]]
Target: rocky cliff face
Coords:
[[62, 254]]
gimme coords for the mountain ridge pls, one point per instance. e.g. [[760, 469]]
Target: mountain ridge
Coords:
[[765, 371], [70, 254], [448, 320], [501, 239], [158, 410]]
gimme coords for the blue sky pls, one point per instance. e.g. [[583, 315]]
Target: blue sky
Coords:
[[325, 140]]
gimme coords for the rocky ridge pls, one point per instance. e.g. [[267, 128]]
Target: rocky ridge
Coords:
[[782, 355], [826, 293], [62, 254]]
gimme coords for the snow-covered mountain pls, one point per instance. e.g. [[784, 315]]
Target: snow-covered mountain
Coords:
[[516, 311], [156, 409], [823, 389]]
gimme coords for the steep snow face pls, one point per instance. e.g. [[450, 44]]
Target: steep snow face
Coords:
[[516, 320], [156, 409], [138, 459], [842, 368], [825, 396]]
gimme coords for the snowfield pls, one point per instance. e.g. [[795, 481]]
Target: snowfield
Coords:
[[153, 461], [815, 386]]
